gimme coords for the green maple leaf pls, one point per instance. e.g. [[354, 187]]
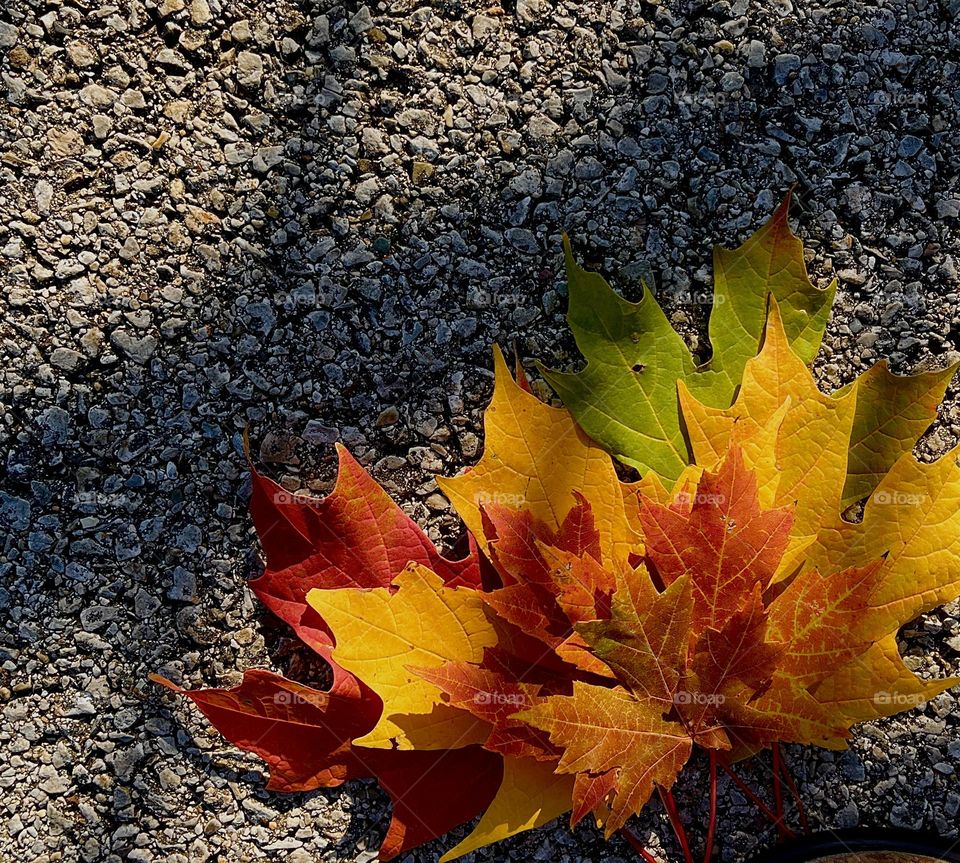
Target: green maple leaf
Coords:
[[626, 396]]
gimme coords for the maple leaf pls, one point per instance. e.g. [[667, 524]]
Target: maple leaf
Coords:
[[554, 578], [910, 518], [893, 411], [382, 633], [876, 683], [644, 640], [534, 458], [518, 543], [554, 574], [784, 712], [719, 537], [625, 397], [727, 604], [603, 729], [356, 536], [734, 661], [305, 736]]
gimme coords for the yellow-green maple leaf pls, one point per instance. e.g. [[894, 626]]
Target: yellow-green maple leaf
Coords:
[[625, 397], [893, 411]]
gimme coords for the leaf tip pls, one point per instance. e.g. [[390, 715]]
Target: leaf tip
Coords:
[[780, 215], [153, 677], [246, 446]]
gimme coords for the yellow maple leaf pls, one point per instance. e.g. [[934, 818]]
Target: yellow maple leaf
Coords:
[[534, 457], [531, 795], [914, 518], [876, 684], [381, 634], [809, 462]]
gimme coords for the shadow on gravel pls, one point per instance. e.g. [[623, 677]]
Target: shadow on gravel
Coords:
[[313, 219]]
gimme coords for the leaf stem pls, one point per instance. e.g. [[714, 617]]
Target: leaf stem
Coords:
[[670, 804], [712, 826], [756, 801], [792, 786], [637, 845], [778, 793]]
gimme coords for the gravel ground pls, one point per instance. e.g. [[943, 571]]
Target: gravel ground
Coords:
[[315, 219]]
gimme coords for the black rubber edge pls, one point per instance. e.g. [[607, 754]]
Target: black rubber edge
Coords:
[[862, 840]]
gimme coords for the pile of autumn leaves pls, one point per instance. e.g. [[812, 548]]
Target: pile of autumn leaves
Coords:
[[598, 630]]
